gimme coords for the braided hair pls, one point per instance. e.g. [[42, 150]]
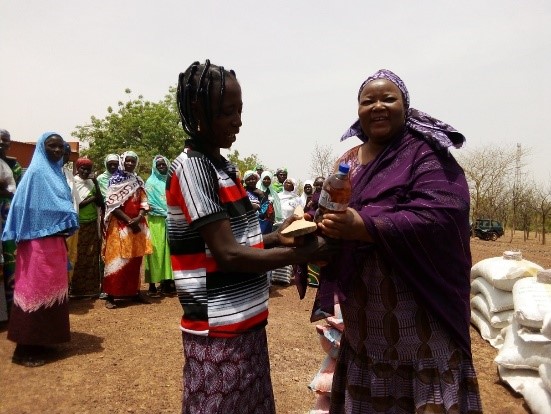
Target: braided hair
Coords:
[[199, 83]]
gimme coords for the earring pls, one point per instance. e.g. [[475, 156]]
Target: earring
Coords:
[[198, 127]]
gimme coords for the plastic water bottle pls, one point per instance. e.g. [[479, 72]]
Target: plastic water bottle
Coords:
[[335, 194]]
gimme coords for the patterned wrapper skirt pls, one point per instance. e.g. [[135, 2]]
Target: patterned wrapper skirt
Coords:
[[86, 274], [227, 375], [395, 355], [40, 313]]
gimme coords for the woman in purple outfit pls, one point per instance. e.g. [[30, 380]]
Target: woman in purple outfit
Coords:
[[402, 279]]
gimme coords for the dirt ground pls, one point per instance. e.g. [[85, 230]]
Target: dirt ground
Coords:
[[129, 360]]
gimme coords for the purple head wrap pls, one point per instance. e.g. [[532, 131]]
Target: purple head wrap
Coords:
[[435, 132]]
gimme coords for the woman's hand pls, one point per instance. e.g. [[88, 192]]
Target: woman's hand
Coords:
[[347, 226], [287, 241]]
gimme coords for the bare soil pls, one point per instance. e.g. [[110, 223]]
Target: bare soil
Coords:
[[129, 360]]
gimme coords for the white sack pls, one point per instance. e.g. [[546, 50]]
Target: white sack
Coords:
[[529, 384], [531, 300], [496, 319], [497, 299], [487, 332], [503, 273]]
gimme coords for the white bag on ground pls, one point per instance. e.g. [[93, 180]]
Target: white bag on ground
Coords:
[[532, 300], [545, 375], [503, 273], [517, 354], [498, 300], [530, 385], [496, 319], [487, 332]]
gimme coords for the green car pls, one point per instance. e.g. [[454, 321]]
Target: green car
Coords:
[[487, 229]]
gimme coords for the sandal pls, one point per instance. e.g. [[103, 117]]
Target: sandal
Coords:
[[28, 356], [28, 361], [110, 302], [140, 299]]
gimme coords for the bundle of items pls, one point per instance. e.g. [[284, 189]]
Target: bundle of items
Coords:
[[492, 282], [330, 337], [524, 360]]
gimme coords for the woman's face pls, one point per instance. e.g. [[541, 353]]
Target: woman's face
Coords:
[[84, 171], [381, 111], [288, 185], [318, 184], [130, 164], [161, 166], [112, 166], [226, 119], [308, 189], [251, 181], [54, 148], [266, 181]]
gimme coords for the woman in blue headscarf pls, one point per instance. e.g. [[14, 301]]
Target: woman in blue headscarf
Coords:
[[157, 265], [41, 216]]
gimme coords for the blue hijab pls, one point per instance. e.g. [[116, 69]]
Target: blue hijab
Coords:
[[42, 204]]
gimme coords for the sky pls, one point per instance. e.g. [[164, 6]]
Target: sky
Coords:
[[482, 66]]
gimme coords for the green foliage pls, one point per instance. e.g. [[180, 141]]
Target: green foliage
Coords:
[[247, 163], [147, 128]]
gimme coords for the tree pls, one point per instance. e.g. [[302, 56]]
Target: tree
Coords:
[[543, 205], [490, 174], [243, 164], [147, 128], [323, 161]]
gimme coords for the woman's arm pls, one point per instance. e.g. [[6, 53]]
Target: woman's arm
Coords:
[[232, 256]]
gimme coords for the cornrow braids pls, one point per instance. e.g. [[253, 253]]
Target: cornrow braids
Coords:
[[196, 84]]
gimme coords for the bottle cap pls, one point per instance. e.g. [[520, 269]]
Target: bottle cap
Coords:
[[344, 168]]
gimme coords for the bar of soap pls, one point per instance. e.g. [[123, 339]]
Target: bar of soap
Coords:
[[299, 227]]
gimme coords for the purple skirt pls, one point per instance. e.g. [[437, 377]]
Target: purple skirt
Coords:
[[227, 375]]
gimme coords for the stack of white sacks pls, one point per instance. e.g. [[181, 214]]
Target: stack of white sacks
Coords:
[[511, 307]]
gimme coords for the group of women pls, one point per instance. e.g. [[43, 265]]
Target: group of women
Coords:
[[44, 212], [275, 204]]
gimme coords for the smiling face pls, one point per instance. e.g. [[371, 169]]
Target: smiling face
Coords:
[[251, 181], [54, 147], [381, 111], [226, 119], [161, 166], [130, 164], [84, 171]]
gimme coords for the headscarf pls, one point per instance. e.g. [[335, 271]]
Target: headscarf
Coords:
[[273, 194], [438, 134], [84, 187], [83, 161], [42, 204], [247, 174], [303, 196], [155, 187], [103, 178], [122, 185], [289, 200]]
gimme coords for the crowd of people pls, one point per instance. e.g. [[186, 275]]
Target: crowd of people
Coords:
[[215, 237]]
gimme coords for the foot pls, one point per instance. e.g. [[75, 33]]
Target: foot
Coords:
[[110, 302], [28, 356], [140, 299], [152, 291]]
